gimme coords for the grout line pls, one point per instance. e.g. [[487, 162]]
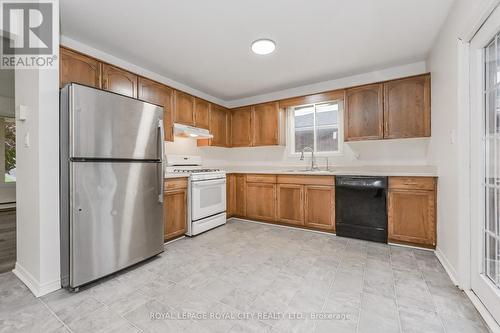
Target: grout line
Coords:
[[432, 299], [55, 315], [362, 293], [395, 289], [331, 286]]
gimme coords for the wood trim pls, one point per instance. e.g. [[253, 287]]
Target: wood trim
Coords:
[[257, 178], [311, 99], [306, 180], [412, 183], [175, 183]]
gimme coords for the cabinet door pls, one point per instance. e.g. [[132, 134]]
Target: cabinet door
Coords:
[[265, 124], [184, 108], [407, 108], [241, 127], [364, 113], [411, 216], [157, 93], [261, 201], [230, 195], [291, 204], [218, 126], [201, 113], [319, 206], [78, 68], [175, 213], [240, 195], [119, 81]]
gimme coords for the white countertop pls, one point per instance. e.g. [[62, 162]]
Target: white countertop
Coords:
[[415, 171], [169, 175]]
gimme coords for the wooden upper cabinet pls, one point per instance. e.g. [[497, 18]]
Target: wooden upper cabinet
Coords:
[[156, 93], [407, 107], [79, 68], [183, 108], [364, 113], [241, 127], [319, 207], [219, 126], [201, 113], [265, 124], [119, 81]]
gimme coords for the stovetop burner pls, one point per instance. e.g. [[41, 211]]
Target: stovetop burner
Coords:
[[195, 170]]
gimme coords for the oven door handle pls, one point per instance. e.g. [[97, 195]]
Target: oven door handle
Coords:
[[205, 183]]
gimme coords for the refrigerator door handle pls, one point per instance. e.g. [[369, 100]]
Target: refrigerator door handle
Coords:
[[161, 135]]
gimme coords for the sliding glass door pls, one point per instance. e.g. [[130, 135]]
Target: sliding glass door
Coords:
[[485, 164]]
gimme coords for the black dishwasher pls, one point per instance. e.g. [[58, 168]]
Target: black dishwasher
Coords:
[[360, 207]]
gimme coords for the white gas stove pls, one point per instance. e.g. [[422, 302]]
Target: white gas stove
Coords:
[[206, 193]]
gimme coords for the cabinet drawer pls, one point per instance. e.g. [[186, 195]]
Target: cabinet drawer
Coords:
[[175, 183], [271, 179], [414, 183], [306, 180]]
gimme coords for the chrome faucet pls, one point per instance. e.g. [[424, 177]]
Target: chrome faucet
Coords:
[[313, 159]]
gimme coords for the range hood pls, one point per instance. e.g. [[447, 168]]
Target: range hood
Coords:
[[191, 132]]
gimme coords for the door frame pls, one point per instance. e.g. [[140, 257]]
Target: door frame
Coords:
[[469, 200], [479, 284]]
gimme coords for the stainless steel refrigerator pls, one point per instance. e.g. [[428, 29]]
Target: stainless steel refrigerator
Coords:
[[111, 183]]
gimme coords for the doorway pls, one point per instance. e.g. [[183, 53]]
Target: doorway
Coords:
[[7, 170]]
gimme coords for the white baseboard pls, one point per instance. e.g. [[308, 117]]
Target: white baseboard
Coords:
[[450, 270], [488, 318], [38, 289]]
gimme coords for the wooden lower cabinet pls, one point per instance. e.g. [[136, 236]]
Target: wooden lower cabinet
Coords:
[[230, 195], [175, 208], [411, 210], [319, 207], [261, 201], [290, 203], [412, 216], [240, 202]]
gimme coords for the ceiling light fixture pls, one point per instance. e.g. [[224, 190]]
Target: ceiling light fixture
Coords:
[[263, 46]]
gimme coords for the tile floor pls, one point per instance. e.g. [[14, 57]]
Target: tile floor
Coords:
[[245, 269]]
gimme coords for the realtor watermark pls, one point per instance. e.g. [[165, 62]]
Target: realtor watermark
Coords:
[[28, 34], [187, 315]]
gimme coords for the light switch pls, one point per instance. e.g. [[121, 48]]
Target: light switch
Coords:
[[453, 136], [22, 112], [27, 140]]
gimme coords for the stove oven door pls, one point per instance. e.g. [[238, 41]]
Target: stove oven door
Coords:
[[208, 197]]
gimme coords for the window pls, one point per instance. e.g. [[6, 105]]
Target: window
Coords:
[[318, 126], [8, 145]]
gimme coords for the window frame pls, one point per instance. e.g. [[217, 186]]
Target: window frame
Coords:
[[290, 138]]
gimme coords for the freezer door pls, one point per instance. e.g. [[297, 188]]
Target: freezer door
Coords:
[[116, 217], [109, 126]]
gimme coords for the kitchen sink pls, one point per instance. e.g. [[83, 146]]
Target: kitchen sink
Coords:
[[307, 171]]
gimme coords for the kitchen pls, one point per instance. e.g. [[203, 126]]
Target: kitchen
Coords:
[[259, 186]]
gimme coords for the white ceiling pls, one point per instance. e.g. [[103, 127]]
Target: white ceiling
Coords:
[[206, 44]]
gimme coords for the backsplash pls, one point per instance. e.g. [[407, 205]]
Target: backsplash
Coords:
[[371, 153]]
